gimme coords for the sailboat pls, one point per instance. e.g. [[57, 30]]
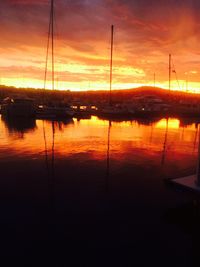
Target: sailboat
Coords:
[[52, 112], [150, 107], [112, 110], [183, 107]]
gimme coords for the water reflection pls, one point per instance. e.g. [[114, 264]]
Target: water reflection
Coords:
[[52, 151], [19, 126], [45, 150], [184, 122], [165, 143], [186, 216], [195, 137], [108, 156], [51, 174], [147, 121], [60, 125], [63, 166], [132, 141]]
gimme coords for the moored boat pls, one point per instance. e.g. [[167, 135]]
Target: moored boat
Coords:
[[115, 111], [54, 112], [111, 110], [18, 107]]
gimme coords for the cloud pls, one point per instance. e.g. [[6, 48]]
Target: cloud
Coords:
[[145, 33], [27, 3]]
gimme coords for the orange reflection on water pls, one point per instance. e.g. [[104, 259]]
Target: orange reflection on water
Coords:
[[88, 139], [172, 123]]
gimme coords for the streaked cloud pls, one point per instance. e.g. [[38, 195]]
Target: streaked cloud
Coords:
[[145, 33]]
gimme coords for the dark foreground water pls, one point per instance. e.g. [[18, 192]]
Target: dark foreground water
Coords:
[[93, 193]]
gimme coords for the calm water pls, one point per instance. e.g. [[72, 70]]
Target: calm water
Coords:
[[92, 192], [165, 144]]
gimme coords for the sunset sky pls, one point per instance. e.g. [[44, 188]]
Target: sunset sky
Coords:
[[146, 31]]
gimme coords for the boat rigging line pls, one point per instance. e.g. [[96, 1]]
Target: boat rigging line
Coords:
[[50, 37], [172, 69]]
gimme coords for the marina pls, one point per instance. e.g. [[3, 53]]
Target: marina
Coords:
[[115, 202], [146, 103], [99, 133]]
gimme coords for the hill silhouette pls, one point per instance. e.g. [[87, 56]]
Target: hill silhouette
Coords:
[[95, 97]]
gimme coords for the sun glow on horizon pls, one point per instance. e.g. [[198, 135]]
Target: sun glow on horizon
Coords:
[[143, 39], [193, 87]]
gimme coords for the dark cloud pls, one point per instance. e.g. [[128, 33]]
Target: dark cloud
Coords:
[[90, 19]]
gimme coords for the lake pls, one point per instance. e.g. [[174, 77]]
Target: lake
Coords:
[[93, 192]]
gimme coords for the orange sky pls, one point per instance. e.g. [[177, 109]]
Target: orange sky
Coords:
[[145, 33]]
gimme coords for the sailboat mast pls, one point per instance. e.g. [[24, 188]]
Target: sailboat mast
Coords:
[[170, 70], [47, 51], [52, 41], [111, 61]]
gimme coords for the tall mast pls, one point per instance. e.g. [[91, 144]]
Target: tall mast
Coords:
[[111, 59], [47, 51], [170, 69], [52, 41]]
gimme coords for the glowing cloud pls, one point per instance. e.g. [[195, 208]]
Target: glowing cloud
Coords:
[[144, 36]]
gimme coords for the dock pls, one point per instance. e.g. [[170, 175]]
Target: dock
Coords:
[[192, 182], [188, 183]]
